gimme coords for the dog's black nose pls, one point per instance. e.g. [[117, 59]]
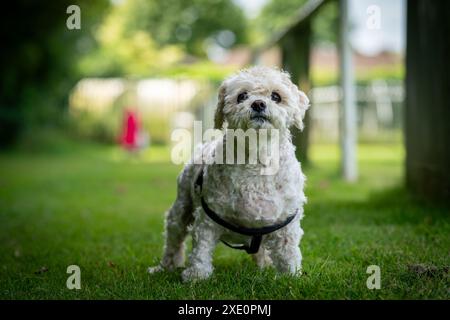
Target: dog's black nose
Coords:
[[258, 105]]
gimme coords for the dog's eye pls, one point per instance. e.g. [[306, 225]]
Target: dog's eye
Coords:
[[242, 96], [275, 97]]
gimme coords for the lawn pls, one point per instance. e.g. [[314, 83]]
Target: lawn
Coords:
[[95, 207]]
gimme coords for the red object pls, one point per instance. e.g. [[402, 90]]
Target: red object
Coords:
[[130, 130]]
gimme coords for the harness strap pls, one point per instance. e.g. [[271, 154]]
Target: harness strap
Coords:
[[255, 243], [255, 233]]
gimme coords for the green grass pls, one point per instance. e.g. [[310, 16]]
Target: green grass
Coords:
[[102, 210]]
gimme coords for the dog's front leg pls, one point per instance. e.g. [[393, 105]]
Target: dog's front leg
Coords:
[[205, 235], [284, 249], [262, 258]]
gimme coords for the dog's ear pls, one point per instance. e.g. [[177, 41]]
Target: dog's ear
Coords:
[[218, 117], [300, 110]]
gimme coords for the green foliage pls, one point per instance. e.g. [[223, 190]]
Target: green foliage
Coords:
[[45, 139], [103, 210], [326, 24], [121, 51], [188, 23], [202, 70], [38, 61], [104, 128], [277, 14], [137, 40], [41, 59]]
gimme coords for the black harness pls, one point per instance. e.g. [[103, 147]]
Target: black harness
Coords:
[[255, 233]]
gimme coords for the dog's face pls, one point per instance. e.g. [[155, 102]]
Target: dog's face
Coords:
[[260, 98]]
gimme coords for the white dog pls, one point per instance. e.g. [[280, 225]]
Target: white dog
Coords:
[[235, 202]]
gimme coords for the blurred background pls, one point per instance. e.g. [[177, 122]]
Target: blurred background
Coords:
[[91, 91], [165, 59]]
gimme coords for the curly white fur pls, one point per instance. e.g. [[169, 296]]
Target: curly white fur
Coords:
[[239, 193]]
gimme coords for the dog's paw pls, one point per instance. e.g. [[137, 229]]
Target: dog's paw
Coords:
[[297, 273], [193, 274], [155, 269]]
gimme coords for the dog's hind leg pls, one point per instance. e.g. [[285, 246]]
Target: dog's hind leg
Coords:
[[178, 218]]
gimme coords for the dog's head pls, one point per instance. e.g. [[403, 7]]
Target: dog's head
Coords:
[[260, 97]]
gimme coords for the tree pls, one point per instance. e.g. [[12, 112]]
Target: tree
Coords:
[[296, 46], [135, 39], [122, 51], [187, 22], [38, 59], [277, 14], [427, 115]]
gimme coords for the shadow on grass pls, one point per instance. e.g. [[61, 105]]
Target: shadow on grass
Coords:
[[392, 206]]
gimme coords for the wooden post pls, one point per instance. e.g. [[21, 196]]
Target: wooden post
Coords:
[[348, 124], [296, 46], [427, 112]]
